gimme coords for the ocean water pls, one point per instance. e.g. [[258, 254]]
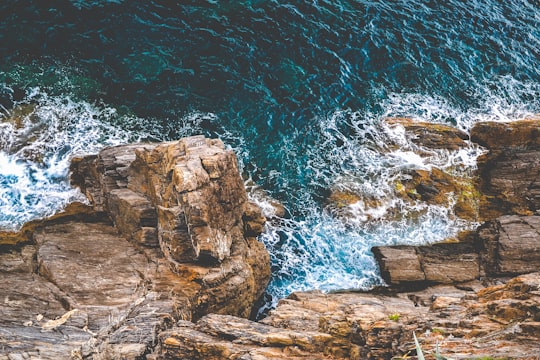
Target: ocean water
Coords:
[[298, 89]]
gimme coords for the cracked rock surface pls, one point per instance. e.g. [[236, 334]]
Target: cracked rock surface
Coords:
[[169, 236]]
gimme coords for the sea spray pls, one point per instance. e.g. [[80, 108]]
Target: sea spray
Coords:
[[35, 152]]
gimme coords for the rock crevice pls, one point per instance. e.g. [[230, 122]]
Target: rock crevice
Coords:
[[170, 235]]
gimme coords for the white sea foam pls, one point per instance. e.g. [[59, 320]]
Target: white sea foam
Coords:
[[359, 152], [36, 149]]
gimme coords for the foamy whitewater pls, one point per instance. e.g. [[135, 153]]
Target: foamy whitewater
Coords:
[[299, 91]]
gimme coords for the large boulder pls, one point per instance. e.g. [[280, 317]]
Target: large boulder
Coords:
[[506, 246], [188, 198], [170, 235], [445, 263], [510, 245]]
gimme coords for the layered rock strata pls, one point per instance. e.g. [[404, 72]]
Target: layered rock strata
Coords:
[[468, 297], [467, 321], [169, 235]]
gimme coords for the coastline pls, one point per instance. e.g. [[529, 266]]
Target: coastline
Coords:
[[178, 293]]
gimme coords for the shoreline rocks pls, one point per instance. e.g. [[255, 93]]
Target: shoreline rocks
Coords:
[[165, 264], [170, 235], [460, 296]]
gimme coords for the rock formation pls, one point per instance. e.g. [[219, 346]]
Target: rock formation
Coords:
[[509, 172], [170, 235], [166, 260], [445, 186], [459, 295]]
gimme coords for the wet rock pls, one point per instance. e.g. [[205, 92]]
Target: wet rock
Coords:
[[19, 115], [271, 208], [431, 135], [431, 185], [510, 171], [437, 187]]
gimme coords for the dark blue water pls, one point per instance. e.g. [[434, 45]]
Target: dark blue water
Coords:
[[298, 89]]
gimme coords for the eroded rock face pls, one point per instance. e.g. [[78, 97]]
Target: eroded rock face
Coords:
[[181, 244], [186, 196], [83, 291], [507, 246], [499, 321], [510, 171]]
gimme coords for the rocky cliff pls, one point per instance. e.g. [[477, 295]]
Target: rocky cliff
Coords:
[[170, 235], [165, 264], [466, 297]]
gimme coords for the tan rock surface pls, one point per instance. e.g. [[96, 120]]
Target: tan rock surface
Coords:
[[499, 321], [78, 286]]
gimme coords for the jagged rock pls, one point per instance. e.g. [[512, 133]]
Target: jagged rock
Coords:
[[190, 194], [226, 337], [472, 320], [135, 216], [510, 171], [431, 135], [140, 288], [105, 290], [98, 175], [430, 185]]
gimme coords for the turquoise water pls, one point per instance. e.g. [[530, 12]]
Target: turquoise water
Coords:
[[297, 89]]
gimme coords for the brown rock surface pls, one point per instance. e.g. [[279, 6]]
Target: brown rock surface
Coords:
[[431, 135], [510, 171], [510, 245], [507, 246], [444, 263], [177, 258], [499, 321], [78, 286], [448, 186]]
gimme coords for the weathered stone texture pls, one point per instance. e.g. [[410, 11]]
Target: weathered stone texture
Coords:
[[420, 265], [314, 325], [510, 245], [507, 246], [84, 287], [510, 171]]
